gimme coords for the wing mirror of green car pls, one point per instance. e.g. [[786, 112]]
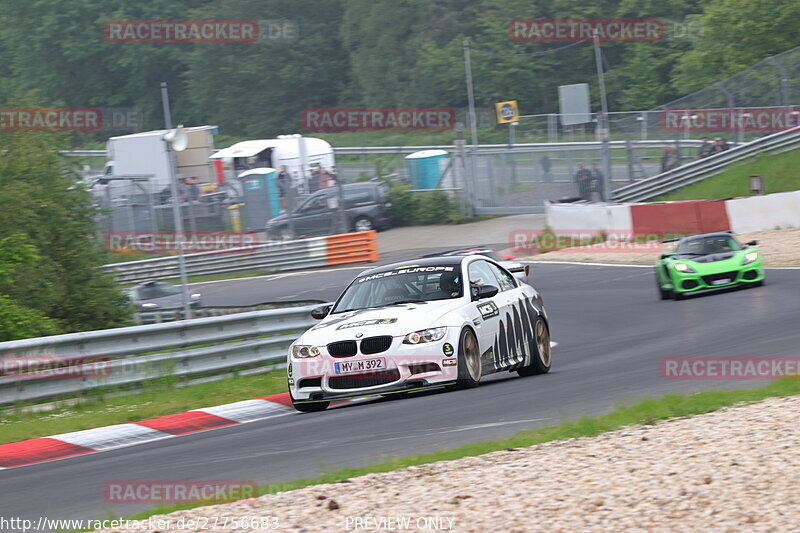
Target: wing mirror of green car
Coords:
[[752, 243], [666, 256]]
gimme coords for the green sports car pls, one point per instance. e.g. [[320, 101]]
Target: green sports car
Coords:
[[707, 261]]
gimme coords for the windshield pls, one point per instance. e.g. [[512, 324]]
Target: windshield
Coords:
[[403, 285], [157, 290], [708, 245]]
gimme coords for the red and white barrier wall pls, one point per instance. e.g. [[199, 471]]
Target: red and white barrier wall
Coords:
[[689, 217]]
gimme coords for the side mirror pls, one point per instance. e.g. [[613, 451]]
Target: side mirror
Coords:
[[480, 292], [321, 312], [508, 257], [752, 243], [664, 256]]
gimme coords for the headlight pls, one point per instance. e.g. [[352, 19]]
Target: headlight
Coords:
[[302, 351], [749, 257], [149, 306], [425, 335], [683, 267]]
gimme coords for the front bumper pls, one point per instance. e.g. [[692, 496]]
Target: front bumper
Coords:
[[407, 367], [697, 282]]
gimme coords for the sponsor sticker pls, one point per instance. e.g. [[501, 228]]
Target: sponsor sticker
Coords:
[[447, 348], [406, 271], [449, 362], [488, 309]]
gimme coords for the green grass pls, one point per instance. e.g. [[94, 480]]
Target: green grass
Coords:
[[781, 173], [159, 399], [644, 412]]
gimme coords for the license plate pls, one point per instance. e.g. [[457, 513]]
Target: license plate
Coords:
[[722, 281], [364, 365]]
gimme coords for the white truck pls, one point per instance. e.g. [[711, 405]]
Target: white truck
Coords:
[[297, 153], [146, 153]]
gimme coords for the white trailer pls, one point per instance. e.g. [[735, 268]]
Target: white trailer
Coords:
[[146, 153], [298, 154]]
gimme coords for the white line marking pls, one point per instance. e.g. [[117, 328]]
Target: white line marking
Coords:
[[553, 344]]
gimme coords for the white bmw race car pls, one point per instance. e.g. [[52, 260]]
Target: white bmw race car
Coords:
[[417, 325]]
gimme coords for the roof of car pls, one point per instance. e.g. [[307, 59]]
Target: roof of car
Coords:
[[461, 251], [727, 233]]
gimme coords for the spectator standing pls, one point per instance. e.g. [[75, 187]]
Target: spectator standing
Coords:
[[669, 159], [583, 178], [720, 145], [334, 175], [314, 182], [706, 149], [284, 183], [596, 183], [324, 178], [165, 195], [193, 188]]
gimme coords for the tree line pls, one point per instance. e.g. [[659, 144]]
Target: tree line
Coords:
[[378, 53]]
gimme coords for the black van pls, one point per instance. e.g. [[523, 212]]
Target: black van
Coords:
[[366, 206]]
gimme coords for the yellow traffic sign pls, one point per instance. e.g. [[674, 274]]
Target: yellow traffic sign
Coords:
[[507, 112]]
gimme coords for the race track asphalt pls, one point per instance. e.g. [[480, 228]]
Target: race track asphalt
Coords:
[[612, 332]]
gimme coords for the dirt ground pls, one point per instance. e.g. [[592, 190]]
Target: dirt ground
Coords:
[[778, 248]]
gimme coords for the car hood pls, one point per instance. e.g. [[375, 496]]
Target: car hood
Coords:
[[394, 320], [709, 258]]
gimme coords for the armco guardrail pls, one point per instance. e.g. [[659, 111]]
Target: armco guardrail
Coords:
[[134, 355], [168, 314], [277, 256], [519, 147], [705, 168]]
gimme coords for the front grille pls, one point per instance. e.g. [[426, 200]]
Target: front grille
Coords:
[[710, 279], [342, 349], [309, 382], [358, 381], [372, 345]]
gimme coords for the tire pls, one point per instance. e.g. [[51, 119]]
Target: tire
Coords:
[[665, 294], [469, 360], [363, 223], [309, 407], [543, 356]]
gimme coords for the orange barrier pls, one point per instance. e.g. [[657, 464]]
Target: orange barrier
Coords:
[[352, 248]]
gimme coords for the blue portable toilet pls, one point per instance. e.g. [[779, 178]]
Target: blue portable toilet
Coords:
[[261, 196], [426, 167]]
